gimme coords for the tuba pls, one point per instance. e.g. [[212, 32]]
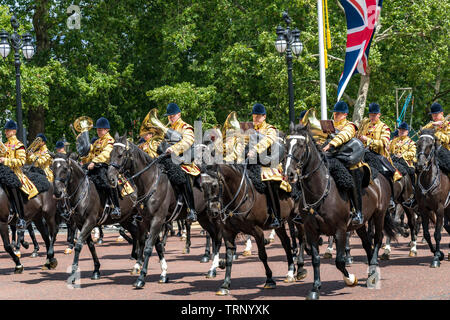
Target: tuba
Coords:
[[148, 127], [83, 125], [34, 146], [169, 134]]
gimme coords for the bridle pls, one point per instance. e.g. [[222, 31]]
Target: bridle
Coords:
[[428, 166], [301, 164], [67, 198]]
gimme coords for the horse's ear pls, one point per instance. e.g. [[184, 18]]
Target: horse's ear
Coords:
[[116, 136], [73, 156]]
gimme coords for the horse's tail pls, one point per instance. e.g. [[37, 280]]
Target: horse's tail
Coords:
[[391, 227]]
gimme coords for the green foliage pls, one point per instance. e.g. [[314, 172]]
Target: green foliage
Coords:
[[212, 57]]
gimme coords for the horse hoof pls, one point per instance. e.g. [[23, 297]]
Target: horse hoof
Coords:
[[222, 264], [100, 241], [327, 255], [95, 276], [413, 253], [68, 251], [139, 284], [18, 254], [384, 256], [46, 266], [441, 256], [222, 292], [18, 269], [289, 279], [204, 259], [120, 239], [247, 253], [270, 284], [211, 274], [184, 251], [313, 295], [34, 254], [351, 281], [435, 264], [301, 274], [26, 245], [53, 263], [163, 279], [235, 257], [271, 240]]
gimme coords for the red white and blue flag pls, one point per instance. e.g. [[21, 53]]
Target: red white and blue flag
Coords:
[[362, 18]]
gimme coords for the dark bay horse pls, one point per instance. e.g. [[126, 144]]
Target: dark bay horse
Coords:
[[87, 207], [328, 210], [42, 206], [233, 197], [432, 191], [157, 199]]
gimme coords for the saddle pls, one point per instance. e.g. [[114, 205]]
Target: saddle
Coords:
[[380, 163], [443, 159]]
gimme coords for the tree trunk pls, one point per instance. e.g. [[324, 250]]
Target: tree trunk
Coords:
[[360, 104], [36, 123]]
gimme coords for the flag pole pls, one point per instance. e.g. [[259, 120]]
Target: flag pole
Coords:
[[323, 91]]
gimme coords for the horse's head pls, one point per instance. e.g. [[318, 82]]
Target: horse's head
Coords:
[[119, 157], [426, 145], [297, 143], [62, 173], [210, 185]]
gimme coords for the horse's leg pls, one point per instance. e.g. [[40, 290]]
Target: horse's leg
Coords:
[[216, 244], [292, 232], [230, 243], [412, 225], [100, 239], [301, 271], [363, 234], [373, 275], [9, 247], [341, 238], [82, 237], [284, 238], [248, 247], [91, 246], [71, 230], [187, 248], [387, 249], [155, 228], [329, 251], [348, 257], [447, 228], [426, 232], [207, 254], [313, 241], [438, 254], [42, 227], [35, 243], [140, 244], [262, 254], [159, 246]]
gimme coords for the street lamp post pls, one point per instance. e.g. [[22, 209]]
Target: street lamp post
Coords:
[[289, 41], [17, 42]]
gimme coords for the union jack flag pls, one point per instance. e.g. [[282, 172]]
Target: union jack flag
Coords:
[[362, 17]]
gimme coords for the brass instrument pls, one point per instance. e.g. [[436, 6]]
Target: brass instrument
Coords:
[[83, 144], [151, 120], [34, 146], [314, 126], [3, 149], [148, 126]]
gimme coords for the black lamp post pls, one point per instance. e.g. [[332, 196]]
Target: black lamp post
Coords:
[[17, 42], [289, 41]]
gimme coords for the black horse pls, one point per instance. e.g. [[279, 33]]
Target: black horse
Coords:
[[432, 191], [326, 210], [87, 207], [157, 199]]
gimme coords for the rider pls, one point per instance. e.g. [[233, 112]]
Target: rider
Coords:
[[59, 147], [41, 158], [173, 113], [270, 135], [403, 146], [148, 144], [440, 124], [347, 131], [375, 135], [99, 153], [15, 158]]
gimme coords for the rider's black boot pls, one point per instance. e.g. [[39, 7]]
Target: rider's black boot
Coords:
[[115, 213], [356, 197], [273, 201], [189, 196], [18, 203]]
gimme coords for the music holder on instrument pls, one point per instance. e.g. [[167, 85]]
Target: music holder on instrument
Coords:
[[327, 126]]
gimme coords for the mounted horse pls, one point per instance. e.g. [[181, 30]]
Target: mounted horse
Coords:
[[433, 188], [156, 198], [86, 205], [42, 206], [329, 208]]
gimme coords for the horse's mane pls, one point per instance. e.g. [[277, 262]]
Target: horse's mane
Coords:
[[142, 155], [299, 128]]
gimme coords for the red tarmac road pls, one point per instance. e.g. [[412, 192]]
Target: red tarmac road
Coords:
[[402, 277]]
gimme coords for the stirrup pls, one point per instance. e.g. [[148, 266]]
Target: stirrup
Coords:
[[275, 223], [298, 219], [115, 213], [357, 219]]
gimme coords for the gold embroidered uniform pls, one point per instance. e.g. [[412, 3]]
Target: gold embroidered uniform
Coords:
[[442, 132], [405, 147], [187, 140], [42, 159]]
